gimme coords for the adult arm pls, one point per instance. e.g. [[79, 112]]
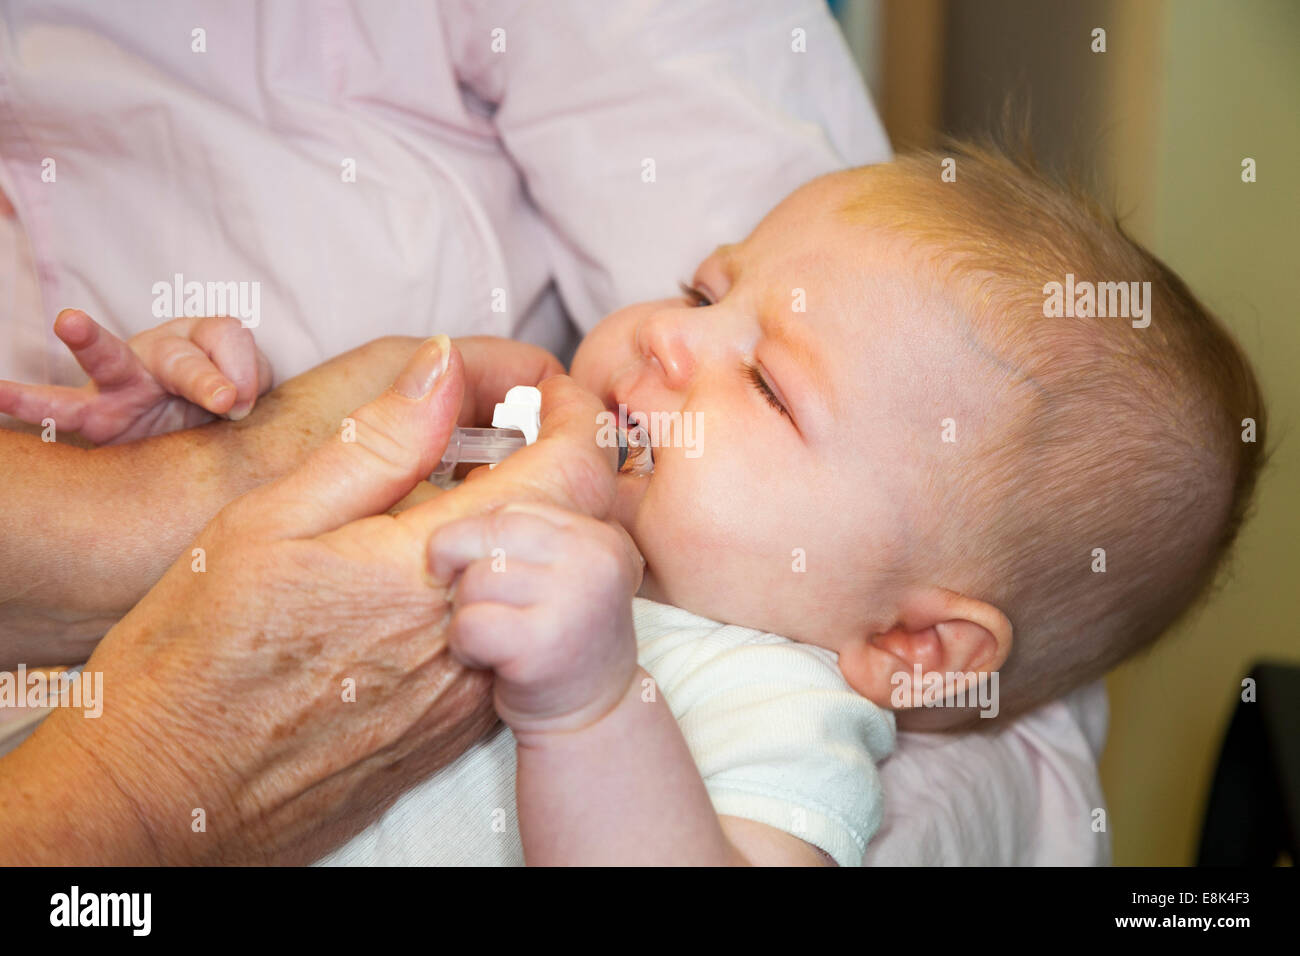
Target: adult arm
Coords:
[[293, 689], [87, 531]]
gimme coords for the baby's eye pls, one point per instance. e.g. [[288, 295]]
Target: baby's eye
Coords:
[[694, 296], [756, 379]]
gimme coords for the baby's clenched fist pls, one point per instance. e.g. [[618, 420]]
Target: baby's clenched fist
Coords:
[[543, 596]]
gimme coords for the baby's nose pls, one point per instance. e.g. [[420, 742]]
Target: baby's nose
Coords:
[[665, 339]]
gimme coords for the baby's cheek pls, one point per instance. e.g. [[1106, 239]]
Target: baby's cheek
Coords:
[[689, 563], [666, 538]]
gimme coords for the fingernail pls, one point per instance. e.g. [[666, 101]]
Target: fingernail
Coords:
[[425, 368]]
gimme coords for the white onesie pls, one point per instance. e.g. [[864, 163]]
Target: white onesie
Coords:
[[777, 734]]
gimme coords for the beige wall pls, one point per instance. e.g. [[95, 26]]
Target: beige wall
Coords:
[[1229, 87], [1162, 120]]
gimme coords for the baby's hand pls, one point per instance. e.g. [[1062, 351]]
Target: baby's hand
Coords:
[[544, 598], [180, 374]]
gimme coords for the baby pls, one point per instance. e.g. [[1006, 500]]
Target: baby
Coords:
[[907, 459], [935, 451]]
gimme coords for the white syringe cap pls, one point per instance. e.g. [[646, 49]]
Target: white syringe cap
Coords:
[[522, 409]]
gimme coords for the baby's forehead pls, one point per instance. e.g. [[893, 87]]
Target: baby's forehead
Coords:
[[891, 326], [899, 348]]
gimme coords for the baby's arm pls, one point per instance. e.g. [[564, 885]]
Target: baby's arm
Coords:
[[625, 790], [604, 773]]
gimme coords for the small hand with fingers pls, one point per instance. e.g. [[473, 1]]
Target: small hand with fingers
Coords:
[[543, 596], [184, 372]]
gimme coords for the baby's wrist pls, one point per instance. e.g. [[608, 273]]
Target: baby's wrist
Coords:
[[608, 710]]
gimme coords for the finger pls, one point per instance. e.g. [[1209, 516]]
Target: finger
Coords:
[[615, 535], [383, 450], [635, 560], [559, 517], [265, 376], [183, 368], [231, 348], [109, 361], [476, 474], [487, 635], [493, 366], [33, 404], [504, 580], [564, 467], [454, 546]]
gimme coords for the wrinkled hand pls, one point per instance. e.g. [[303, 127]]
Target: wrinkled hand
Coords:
[[300, 681], [543, 597], [182, 373]]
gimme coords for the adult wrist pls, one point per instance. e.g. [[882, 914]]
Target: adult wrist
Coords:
[[59, 805]]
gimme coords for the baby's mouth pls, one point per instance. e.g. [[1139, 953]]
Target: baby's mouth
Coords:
[[635, 455]]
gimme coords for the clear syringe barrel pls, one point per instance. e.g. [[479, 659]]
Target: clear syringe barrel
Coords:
[[480, 446]]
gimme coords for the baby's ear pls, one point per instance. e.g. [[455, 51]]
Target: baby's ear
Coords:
[[939, 633]]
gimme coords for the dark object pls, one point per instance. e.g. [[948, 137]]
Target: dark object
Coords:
[[1253, 814]]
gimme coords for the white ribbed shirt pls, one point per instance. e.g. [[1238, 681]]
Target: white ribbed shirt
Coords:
[[777, 734]]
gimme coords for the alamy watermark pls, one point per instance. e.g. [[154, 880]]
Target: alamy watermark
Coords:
[[1087, 300], [130, 910], [931, 689], [239, 300], [39, 688], [656, 429]]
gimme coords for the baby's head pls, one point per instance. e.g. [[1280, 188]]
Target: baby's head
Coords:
[[880, 444]]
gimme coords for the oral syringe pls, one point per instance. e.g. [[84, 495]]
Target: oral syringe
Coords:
[[515, 424], [479, 446]]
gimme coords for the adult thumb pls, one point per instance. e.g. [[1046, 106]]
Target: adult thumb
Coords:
[[382, 450]]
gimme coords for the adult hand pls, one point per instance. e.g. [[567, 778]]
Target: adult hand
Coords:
[[302, 680], [80, 539]]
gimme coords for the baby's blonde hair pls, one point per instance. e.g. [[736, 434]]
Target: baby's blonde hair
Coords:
[[1126, 439]]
